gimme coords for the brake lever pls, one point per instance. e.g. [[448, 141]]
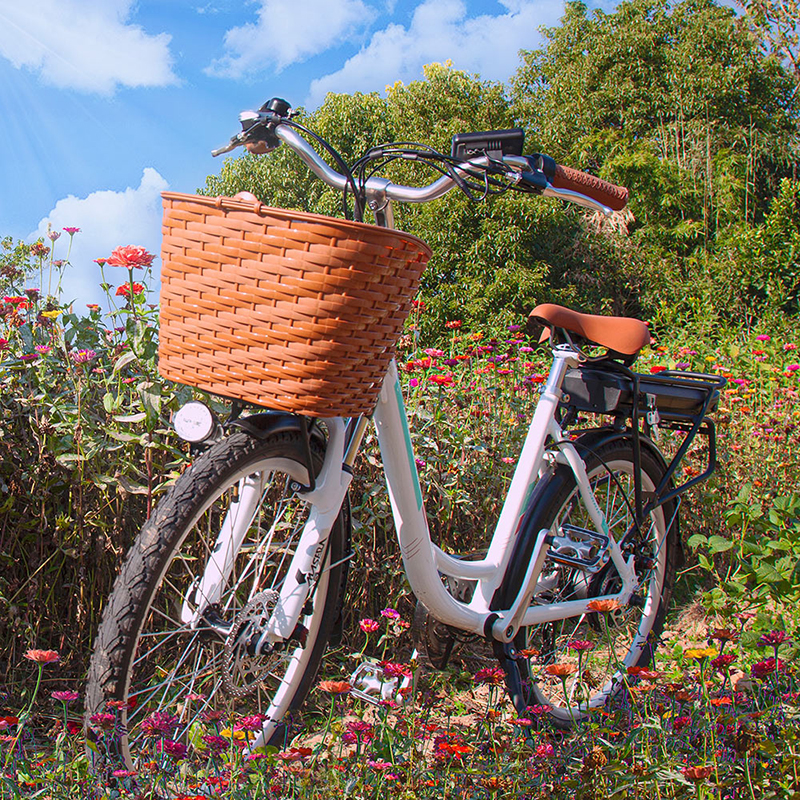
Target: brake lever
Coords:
[[235, 142]]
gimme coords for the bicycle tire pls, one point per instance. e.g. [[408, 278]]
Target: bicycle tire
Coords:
[[144, 653], [620, 639]]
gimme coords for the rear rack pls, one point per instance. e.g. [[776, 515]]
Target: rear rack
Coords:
[[672, 400]]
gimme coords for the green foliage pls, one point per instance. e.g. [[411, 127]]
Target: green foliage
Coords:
[[16, 261], [84, 451]]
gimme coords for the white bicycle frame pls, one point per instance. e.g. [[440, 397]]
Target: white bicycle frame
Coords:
[[425, 563]]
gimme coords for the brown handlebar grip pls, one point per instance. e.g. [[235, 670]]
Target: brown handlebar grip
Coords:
[[615, 197]]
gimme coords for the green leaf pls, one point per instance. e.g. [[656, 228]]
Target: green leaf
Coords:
[[131, 417], [67, 459], [768, 574], [718, 544], [705, 563], [696, 540], [124, 360], [111, 403]]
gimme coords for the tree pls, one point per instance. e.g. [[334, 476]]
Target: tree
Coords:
[[652, 95]]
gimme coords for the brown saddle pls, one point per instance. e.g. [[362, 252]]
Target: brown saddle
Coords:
[[623, 335]]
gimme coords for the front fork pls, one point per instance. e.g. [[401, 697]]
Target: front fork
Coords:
[[325, 500]]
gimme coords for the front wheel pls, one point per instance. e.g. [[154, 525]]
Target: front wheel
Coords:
[[577, 664], [179, 647]]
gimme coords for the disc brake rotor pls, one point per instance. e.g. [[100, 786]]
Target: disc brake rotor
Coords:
[[244, 669]]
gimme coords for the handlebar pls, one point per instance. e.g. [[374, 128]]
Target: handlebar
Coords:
[[527, 173]]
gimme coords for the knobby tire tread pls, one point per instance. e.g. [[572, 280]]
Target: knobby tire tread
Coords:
[[150, 552]]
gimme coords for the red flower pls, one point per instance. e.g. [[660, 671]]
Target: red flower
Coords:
[[130, 257], [125, 289], [656, 369]]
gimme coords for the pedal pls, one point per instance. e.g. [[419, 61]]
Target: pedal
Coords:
[[580, 548], [372, 686]]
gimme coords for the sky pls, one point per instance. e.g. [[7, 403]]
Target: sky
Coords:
[[104, 104]]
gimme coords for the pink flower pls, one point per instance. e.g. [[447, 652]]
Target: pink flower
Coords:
[[545, 751], [82, 356], [159, 722], [72, 231], [392, 669], [774, 638], [580, 644], [173, 748], [679, 723], [763, 668], [390, 613], [722, 661], [65, 696], [494, 676], [130, 257], [216, 743], [103, 721], [790, 346], [251, 723], [762, 337], [53, 235], [368, 625]]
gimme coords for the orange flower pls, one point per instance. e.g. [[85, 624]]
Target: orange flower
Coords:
[[42, 656], [560, 670], [335, 687], [697, 773], [603, 605]]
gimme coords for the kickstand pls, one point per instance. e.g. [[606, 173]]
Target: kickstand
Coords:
[[508, 657]]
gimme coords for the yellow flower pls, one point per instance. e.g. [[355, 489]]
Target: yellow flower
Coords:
[[700, 654], [51, 314], [238, 735]]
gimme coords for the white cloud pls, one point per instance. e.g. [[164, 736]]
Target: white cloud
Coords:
[[442, 30], [107, 219], [88, 45], [287, 32]]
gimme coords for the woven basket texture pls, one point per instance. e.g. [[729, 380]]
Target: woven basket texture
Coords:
[[291, 311]]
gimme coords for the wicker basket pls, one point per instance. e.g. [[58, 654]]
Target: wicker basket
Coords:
[[291, 311]]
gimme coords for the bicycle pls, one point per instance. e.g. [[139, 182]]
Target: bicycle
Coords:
[[233, 588]]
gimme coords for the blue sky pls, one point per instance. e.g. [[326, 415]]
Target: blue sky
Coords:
[[106, 103]]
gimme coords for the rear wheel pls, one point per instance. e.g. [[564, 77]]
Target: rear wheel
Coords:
[[577, 664], [180, 641]]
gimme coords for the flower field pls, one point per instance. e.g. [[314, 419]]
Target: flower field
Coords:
[[87, 450]]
